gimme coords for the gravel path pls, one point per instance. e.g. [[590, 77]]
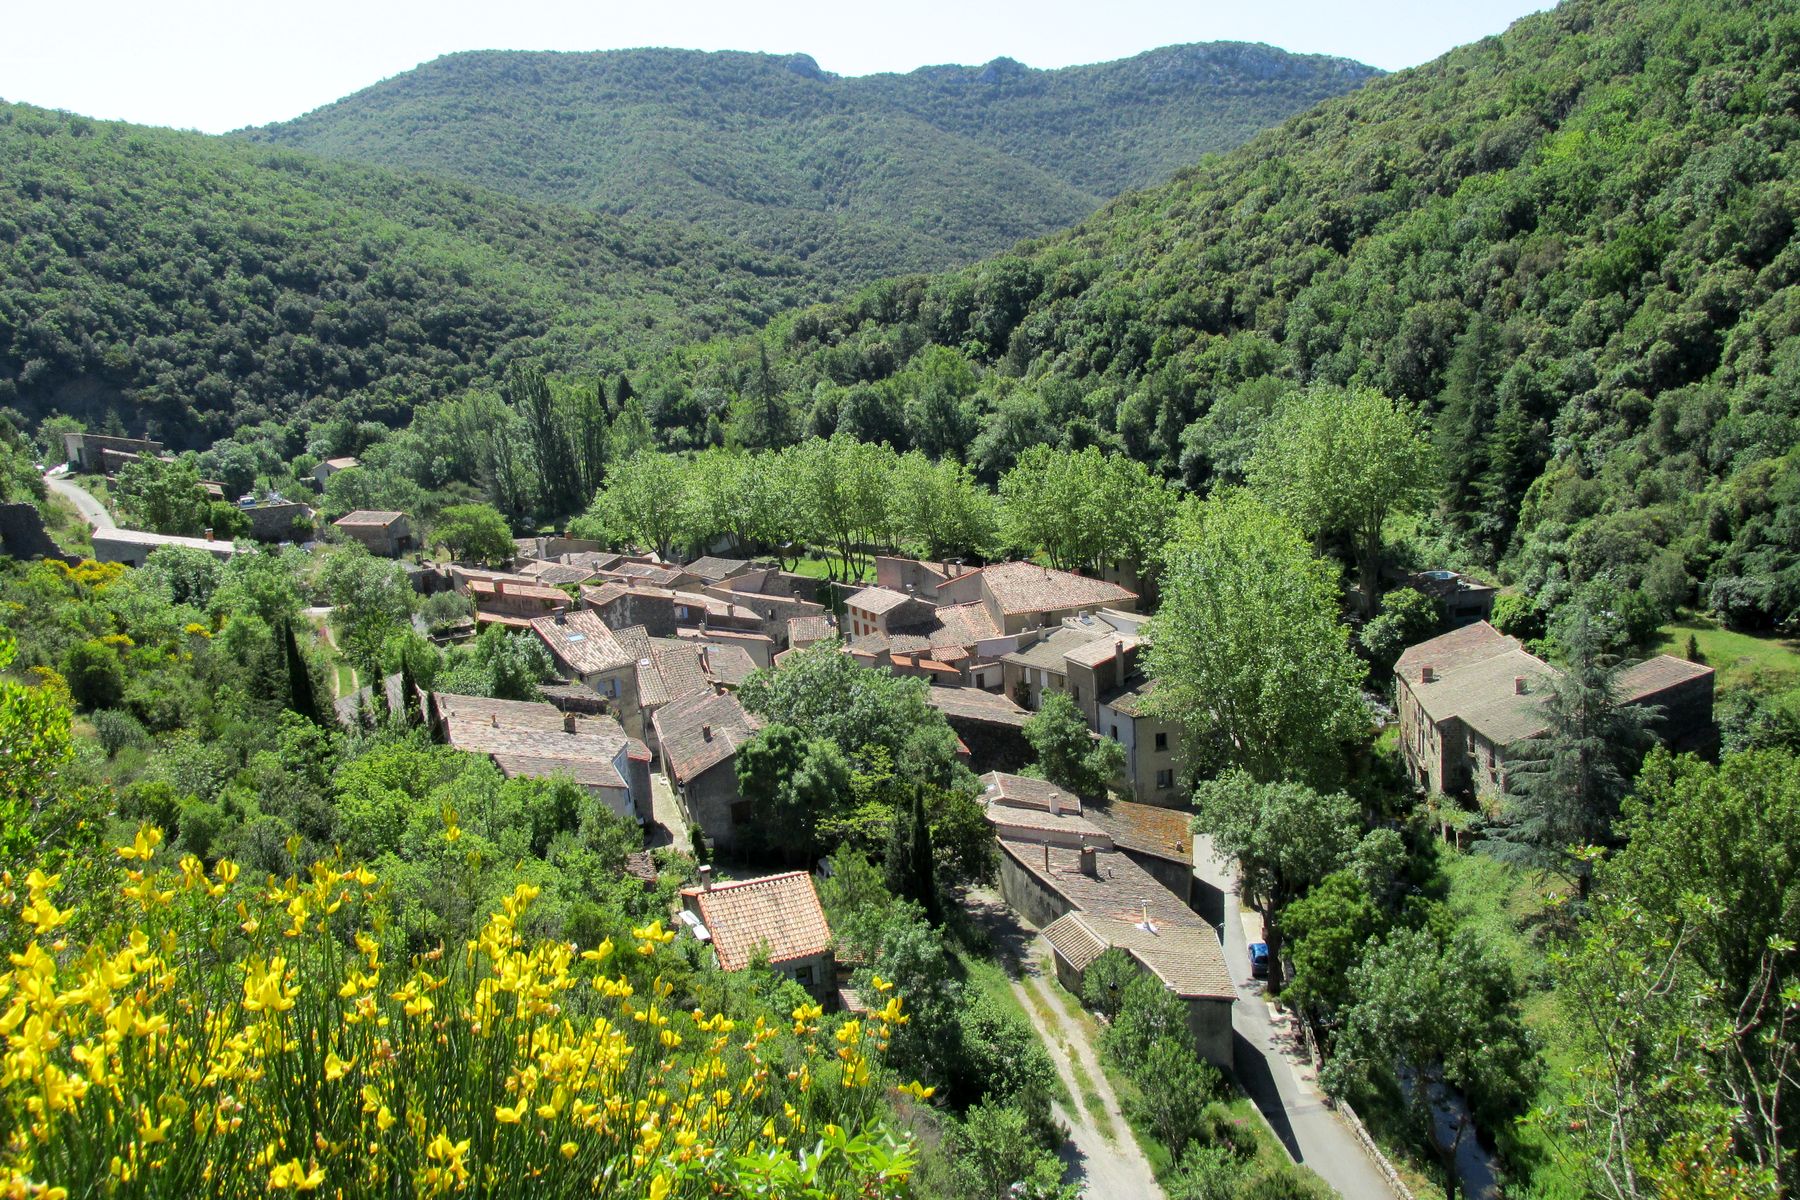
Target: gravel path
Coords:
[[1106, 1167]]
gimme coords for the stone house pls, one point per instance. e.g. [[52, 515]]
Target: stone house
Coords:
[[585, 650], [503, 601], [86, 452], [384, 534], [329, 467], [133, 546], [776, 918], [697, 739], [1466, 701], [1090, 898], [1152, 744], [535, 741], [1020, 596]]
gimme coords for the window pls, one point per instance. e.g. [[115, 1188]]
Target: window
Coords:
[[1115, 733], [1165, 779], [803, 976], [1075, 694], [1162, 741], [741, 813]]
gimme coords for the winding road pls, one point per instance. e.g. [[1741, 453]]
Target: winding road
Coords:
[[91, 510]]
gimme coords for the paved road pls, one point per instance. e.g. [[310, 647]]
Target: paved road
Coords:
[[1108, 1167], [667, 826], [91, 509], [1272, 1063]]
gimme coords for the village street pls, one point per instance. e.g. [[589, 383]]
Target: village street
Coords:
[[1272, 1062]]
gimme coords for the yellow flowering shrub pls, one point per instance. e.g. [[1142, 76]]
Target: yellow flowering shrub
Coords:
[[244, 1038]]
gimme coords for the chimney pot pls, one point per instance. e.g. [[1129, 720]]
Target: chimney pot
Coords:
[[494, 720], [705, 878], [706, 733], [568, 722], [1090, 862], [1518, 685], [209, 535], [1055, 805], [1427, 673]]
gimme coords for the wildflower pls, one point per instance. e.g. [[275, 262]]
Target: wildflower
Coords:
[[291, 1174], [510, 1116], [149, 837]]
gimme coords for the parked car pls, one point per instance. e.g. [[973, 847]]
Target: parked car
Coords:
[[1259, 960]]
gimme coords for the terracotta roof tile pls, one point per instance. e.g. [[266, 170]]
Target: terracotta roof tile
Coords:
[[581, 641], [370, 517], [779, 915], [877, 600], [974, 704], [1146, 828]]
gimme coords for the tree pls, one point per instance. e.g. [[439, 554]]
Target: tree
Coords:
[[939, 509], [1286, 837], [162, 497], [1565, 788], [550, 435], [300, 698], [911, 867], [1068, 753], [1084, 511], [826, 694], [1340, 462], [1328, 932], [1680, 987], [1407, 616], [1247, 652], [369, 597], [474, 533], [95, 675], [186, 575], [645, 502], [1428, 1015], [792, 782], [35, 750], [994, 1157]]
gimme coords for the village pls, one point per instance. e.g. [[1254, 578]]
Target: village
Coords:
[[651, 652]]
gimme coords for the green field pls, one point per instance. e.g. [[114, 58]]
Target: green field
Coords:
[[1741, 659]]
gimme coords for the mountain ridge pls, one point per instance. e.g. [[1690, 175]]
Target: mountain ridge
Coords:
[[754, 144]]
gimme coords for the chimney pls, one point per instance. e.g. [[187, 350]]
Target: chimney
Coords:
[[1055, 804], [1518, 685], [209, 535], [1090, 862], [706, 733], [1427, 673], [568, 722], [705, 878], [499, 587], [494, 720], [562, 616], [1119, 661]]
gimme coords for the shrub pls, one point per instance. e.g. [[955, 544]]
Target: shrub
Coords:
[[118, 729], [1147, 1012], [1103, 986], [96, 677], [233, 1038]]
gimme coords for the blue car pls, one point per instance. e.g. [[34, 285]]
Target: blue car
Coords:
[[1259, 960]]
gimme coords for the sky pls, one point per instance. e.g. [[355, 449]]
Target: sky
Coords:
[[215, 65]]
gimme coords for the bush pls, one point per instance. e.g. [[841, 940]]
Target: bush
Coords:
[[1175, 1087], [118, 729], [1148, 1012], [96, 677], [1104, 983], [290, 1056]]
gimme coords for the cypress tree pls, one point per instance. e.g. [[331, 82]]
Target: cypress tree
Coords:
[[300, 689]]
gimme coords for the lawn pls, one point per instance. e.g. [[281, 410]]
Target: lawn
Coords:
[[1741, 659], [821, 565]]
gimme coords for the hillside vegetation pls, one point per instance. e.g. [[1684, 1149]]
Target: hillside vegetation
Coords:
[[193, 284], [1571, 245], [859, 177]]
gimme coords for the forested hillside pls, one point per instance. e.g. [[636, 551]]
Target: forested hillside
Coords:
[[1572, 245], [191, 284], [859, 177]]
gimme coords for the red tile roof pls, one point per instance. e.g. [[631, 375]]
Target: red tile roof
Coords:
[[581, 642], [778, 914]]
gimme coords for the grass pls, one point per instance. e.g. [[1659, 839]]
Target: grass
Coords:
[[346, 679], [990, 979], [1741, 659], [822, 564], [66, 526]]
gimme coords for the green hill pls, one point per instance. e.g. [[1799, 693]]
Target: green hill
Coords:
[[858, 177], [193, 283], [1572, 244]]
